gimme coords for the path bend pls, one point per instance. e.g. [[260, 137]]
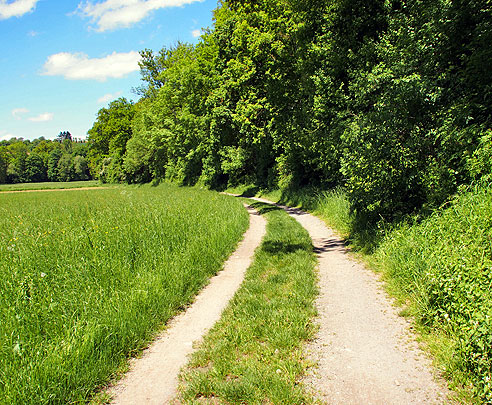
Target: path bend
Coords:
[[153, 378], [366, 353]]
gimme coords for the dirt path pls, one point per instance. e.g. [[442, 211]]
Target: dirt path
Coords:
[[51, 189], [366, 353], [153, 379]]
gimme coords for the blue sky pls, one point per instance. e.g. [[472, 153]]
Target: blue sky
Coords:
[[63, 60]]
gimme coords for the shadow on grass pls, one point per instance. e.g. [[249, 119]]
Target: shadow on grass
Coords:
[[250, 192], [263, 208], [274, 247]]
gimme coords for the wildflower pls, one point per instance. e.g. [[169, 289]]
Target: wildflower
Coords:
[[43, 275], [17, 349]]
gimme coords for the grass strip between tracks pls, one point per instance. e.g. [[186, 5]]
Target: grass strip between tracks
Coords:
[[254, 353]]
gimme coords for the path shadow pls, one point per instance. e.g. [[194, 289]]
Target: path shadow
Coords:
[[294, 211], [275, 247], [263, 208], [331, 245]]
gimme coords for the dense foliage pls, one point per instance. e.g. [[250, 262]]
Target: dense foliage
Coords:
[[25, 161], [388, 98]]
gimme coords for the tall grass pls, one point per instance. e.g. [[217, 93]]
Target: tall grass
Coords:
[[87, 276]]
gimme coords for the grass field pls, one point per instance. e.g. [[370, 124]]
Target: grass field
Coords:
[[86, 277], [253, 355], [49, 185]]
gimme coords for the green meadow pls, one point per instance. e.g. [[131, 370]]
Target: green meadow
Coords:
[[87, 277]]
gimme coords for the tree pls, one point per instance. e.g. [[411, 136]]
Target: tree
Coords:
[[44, 148], [81, 168], [66, 169], [3, 164], [109, 135], [54, 158], [35, 169], [63, 136], [17, 152]]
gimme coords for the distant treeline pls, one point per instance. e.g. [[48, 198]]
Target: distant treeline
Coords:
[[390, 99], [25, 161]]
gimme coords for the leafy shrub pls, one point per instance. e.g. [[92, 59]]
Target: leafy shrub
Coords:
[[444, 264]]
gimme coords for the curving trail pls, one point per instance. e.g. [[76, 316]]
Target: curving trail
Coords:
[[366, 353], [153, 379]]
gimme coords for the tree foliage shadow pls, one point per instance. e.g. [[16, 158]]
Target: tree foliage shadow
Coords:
[[250, 191], [276, 247], [263, 208]]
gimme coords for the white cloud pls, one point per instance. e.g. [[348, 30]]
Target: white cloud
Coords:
[[196, 33], [113, 14], [42, 117], [33, 33], [17, 112], [16, 8], [78, 66], [4, 136], [108, 97]]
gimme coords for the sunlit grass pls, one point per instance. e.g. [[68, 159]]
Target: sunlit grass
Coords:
[[442, 267], [86, 277], [253, 355]]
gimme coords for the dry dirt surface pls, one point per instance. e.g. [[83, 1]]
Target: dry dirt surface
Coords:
[[51, 189], [366, 353], [153, 378]]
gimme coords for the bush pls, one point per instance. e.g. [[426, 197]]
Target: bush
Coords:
[[444, 264]]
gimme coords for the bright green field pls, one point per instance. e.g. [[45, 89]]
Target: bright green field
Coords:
[[86, 277], [49, 185]]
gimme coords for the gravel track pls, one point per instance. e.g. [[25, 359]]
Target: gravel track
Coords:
[[366, 353]]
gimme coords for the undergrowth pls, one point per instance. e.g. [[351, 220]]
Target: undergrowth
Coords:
[[253, 354], [443, 266], [86, 278]]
